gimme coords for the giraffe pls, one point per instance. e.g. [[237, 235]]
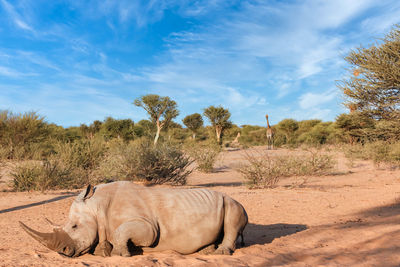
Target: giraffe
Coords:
[[270, 135]]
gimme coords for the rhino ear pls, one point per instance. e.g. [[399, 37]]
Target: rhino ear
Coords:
[[89, 192]]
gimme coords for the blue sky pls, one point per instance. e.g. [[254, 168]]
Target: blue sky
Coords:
[[79, 61]]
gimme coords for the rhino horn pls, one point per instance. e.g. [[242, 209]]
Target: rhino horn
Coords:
[[52, 224], [58, 241]]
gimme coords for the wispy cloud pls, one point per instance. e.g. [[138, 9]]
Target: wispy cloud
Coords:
[[70, 103], [4, 71], [124, 12], [238, 47], [201, 7], [12, 73], [37, 59], [253, 57], [22, 25], [384, 17], [16, 17], [311, 100], [247, 47], [304, 39]]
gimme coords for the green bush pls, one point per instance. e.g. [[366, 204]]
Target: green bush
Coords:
[[142, 160], [204, 134], [163, 163], [253, 135], [85, 153], [289, 128], [81, 158], [307, 125], [118, 163], [388, 131], [177, 135], [120, 129], [76, 164], [205, 155], [21, 135], [319, 134], [355, 127], [279, 138], [70, 166], [26, 176], [44, 175], [145, 128]]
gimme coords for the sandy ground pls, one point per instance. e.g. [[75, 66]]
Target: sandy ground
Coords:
[[349, 218]]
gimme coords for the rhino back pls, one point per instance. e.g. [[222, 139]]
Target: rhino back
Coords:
[[187, 219]]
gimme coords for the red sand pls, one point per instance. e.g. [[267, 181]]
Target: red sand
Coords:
[[347, 219]]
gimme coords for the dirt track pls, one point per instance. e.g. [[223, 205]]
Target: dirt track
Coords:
[[346, 219]]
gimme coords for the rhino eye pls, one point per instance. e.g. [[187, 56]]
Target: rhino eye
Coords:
[[74, 226]]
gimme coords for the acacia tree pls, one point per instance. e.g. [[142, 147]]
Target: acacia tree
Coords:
[[355, 126], [193, 122], [288, 127], [219, 118], [374, 86], [161, 110], [112, 128]]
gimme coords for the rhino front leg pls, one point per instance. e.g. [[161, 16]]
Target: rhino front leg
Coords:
[[140, 232], [103, 249]]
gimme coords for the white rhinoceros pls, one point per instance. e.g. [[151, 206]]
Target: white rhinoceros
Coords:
[[119, 216]]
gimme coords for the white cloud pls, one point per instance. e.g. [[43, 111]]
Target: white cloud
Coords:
[[237, 100], [69, 104], [300, 35], [383, 20], [253, 59], [313, 113], [208, 64], [12, 73], [332, 14], [201, 7], [16, 17], [311, 100], [141, 13], [4, 71], [22, 25], [36, 59]]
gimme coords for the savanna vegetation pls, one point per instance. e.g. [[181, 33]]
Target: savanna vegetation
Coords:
[[159, 150]]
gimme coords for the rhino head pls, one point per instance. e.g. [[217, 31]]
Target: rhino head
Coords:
[[78, 235]]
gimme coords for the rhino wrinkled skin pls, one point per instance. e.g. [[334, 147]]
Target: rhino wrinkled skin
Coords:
[[116, 217]]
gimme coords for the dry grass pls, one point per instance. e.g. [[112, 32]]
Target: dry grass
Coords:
[[76, 164], [163, 163], [70, 166], [204, 155], [45, 175], [379, 152], [141, 160], [264, 171]]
